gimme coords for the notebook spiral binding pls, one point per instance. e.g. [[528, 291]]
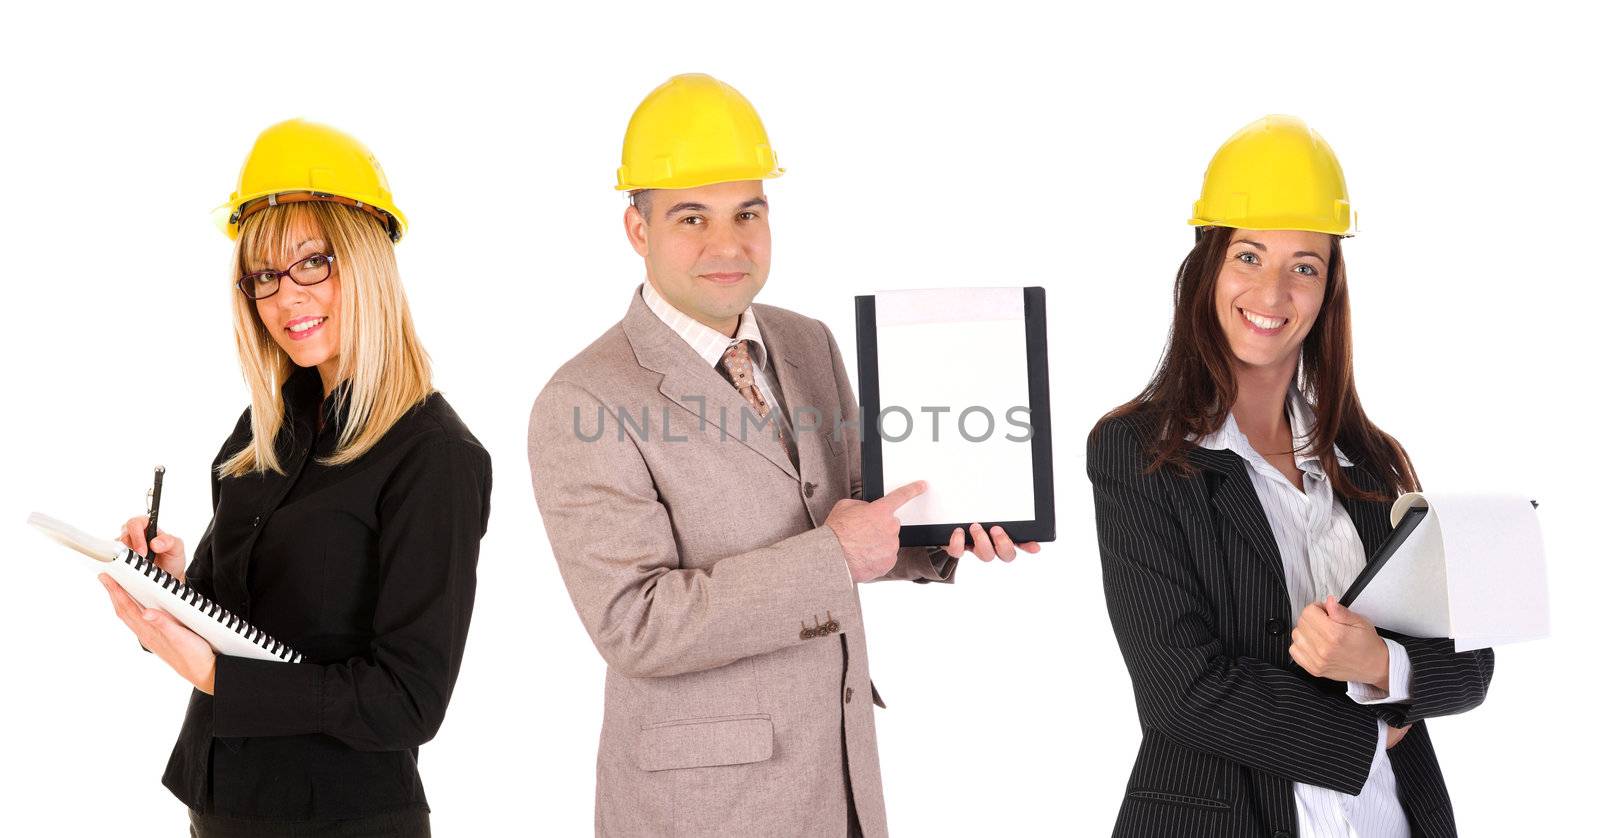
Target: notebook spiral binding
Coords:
[[223, 616]]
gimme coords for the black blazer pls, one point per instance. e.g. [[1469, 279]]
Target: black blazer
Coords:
[[369, 570], [1195, 588]]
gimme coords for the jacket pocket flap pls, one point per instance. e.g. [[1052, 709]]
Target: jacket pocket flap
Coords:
[[699, 743], [1177, 799]]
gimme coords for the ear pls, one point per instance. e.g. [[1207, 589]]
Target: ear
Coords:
[[638, 230]]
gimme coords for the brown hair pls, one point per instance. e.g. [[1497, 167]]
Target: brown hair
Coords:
[[1193, 388]]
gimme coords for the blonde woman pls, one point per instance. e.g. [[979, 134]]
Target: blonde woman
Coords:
[[347, 508]]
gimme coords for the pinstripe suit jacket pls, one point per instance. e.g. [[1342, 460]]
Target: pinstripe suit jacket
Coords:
[[1195, 589]]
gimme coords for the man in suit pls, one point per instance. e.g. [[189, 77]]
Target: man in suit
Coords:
[[697, 468]]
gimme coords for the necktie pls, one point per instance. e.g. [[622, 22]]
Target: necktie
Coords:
[[736, 361], [741, 371]]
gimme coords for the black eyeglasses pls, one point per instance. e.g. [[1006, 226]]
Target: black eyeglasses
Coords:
[[308, 271]]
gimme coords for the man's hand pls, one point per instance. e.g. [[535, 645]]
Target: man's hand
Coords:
[[183, 650], [869, 532], [1331, 641], [989, 546]]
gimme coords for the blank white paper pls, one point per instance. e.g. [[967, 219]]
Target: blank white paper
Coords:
[[1495, 555], [964, 349]]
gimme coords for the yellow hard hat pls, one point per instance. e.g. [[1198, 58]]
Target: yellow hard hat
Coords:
[[1276, 174], [297, 160], [694, 131]]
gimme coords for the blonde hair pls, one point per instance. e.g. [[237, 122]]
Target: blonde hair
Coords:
[[379, 354]]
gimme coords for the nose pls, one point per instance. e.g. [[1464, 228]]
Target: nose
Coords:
[[1275, 287], [290, 292], [723, 241]]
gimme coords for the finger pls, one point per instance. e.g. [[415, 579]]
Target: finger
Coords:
[[119, 597], [958, 542], [1298, 657], [980, 543], [164, 623], [134, 532], [127, 610], [1004, 547], [899, 497], [1312, 616], [1029, 546], [1344, 616]]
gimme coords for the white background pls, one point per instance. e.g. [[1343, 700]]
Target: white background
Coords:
[[925, 147]]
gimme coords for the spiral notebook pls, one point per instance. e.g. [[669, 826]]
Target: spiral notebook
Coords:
[[152, 587]]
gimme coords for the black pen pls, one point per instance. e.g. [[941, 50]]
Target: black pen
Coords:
[[154, 498]]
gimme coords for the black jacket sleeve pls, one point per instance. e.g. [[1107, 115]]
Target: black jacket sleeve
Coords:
[[1443, 681], [431, 516]]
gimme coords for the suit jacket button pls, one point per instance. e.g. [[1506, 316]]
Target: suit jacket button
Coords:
[[811, 489], [848, 692], [256, 522], [1275, 627]]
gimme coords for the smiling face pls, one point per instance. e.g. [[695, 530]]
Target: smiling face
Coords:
[[302, 319], [1269, 291], [706, 250]]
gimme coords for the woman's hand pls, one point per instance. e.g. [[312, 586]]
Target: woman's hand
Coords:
[[186, 652], [168, 548], [1331, 641], [1395, 735]]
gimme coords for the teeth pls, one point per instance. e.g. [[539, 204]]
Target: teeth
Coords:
[[301, 327], [1264, 322]]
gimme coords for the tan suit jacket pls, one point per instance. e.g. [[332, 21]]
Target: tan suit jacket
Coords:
[[698, 564]]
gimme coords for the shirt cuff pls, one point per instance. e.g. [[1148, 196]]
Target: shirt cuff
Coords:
[[1399, 680]]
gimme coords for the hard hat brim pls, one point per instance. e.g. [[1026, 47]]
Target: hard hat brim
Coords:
[[697, 179], [1279, 223]]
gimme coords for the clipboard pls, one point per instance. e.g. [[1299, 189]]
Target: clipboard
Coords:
[[1408, 523], [1469, 567], [931, 363]]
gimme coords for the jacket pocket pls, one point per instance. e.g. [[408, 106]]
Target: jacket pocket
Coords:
[[700, 743], [1173, 798]]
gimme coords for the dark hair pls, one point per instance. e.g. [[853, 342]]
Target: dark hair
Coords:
[[1193, 388], [640, 198]]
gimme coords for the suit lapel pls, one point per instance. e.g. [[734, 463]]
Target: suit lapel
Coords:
[[799, 394], [1234, 497], [689, 382]]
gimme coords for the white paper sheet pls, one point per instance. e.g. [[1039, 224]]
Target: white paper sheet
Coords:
[[1473, 570], [964, 349], [1495, 555]]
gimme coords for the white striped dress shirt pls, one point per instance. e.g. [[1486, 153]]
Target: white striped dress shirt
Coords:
[[1322, 554], [709, 344]]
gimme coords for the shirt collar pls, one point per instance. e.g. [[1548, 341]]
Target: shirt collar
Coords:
[[303, 399], [707, 342], [1302, 421]]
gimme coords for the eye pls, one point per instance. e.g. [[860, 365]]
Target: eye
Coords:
[[263, 278], [1305, 270], [693, 220], [748, 215], [1248, 257], [317, 262]]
